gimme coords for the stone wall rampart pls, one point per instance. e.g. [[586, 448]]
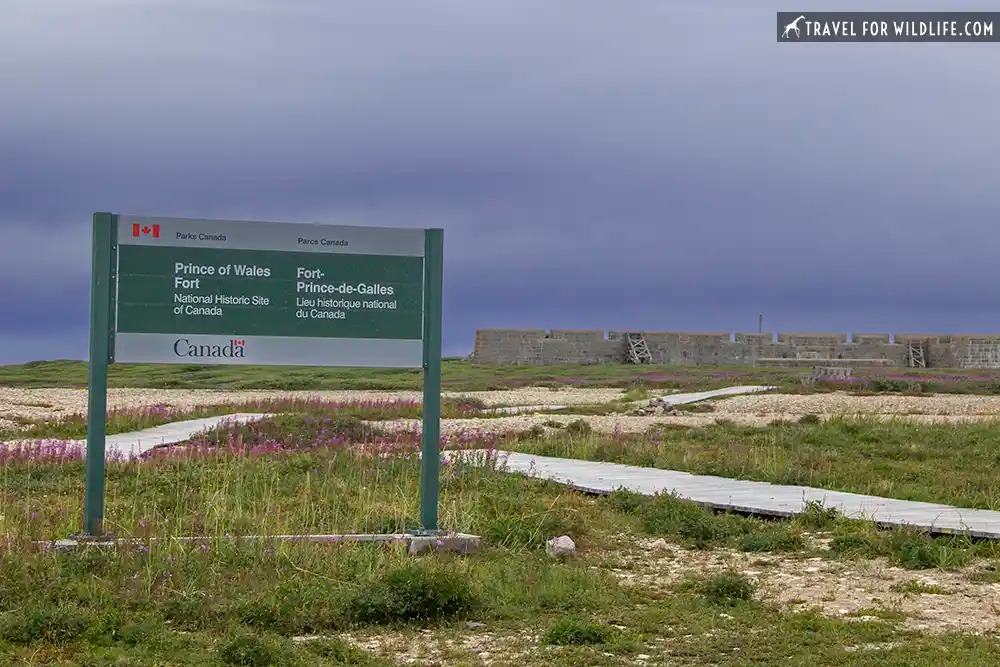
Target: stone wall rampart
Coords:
[[567, 346]]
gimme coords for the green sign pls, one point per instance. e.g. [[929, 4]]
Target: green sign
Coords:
[[191, 291], [206, 292]]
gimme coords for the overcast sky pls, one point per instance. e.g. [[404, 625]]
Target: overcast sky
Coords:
[[650, 164]]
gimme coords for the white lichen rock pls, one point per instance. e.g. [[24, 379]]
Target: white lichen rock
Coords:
[[560, 547]]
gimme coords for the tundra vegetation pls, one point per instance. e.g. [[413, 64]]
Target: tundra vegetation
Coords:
[[654, 580]]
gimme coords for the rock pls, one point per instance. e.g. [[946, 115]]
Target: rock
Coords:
[[660, 545], [475, 625], [560, 546]]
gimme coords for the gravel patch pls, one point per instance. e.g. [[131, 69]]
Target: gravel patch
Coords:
[[46, 404], [844, 403], [448, 647], [752, 410], [543, 396], [834, 588], [18, 405], [635, 424]]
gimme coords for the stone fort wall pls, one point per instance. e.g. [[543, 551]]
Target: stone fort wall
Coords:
[[560, 346]]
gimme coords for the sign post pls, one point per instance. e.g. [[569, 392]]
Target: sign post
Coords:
[[430, 460], [102, 281], [214, 292]]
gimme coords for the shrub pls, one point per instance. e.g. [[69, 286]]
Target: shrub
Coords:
[[626, 502], [337, 652], [413, 593], [579, 427], [727, 588], [251, 650], [855, 544], [54, 624], [778, 538], [636, 394], [572, 631], [816, 516], [666, 514], [919, 552], [881, 384], [695, 407]]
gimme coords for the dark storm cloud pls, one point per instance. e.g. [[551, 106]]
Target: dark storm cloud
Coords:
[[647, 164]]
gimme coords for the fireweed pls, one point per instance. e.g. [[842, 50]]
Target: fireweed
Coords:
[[121, 420], [301, 475], [255, 440], [259, 479]]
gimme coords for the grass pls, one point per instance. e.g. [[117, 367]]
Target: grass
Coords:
[[247, 649], [240, 600], [456, 375], [459, 375], [918, 588], [697, 527], [664, 515], [229, 601], [727, 588], [942, 463], [576, 631]]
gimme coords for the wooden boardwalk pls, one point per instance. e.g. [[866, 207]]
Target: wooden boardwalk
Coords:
[[749, 497], [135, 443]]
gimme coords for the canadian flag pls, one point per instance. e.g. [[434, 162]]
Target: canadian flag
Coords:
[[146, 230], [239, 342]]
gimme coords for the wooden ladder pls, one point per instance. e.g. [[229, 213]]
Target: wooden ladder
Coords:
[[638, 351], [915, 354]]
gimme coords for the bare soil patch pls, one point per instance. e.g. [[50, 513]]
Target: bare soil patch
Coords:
[[430, 647], [866, 590]]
